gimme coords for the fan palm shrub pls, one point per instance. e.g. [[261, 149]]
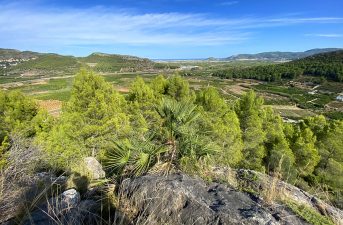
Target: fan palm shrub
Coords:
[[180, 139]]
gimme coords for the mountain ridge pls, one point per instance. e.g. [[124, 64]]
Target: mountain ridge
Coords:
[[280, 55], [268, 55]]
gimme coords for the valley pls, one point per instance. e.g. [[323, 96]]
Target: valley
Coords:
[[293, 99]]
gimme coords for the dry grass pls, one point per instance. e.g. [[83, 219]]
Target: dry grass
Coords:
[[17, 177]]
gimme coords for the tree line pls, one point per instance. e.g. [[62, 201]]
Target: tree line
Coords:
[[326, 65]]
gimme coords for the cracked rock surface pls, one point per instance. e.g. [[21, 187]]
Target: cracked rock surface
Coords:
[[179, 199]]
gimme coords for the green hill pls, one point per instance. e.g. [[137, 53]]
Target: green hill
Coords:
[[327, 65], [279, 56], [101, 62], [15, 63], [6, 54], [49, 63]]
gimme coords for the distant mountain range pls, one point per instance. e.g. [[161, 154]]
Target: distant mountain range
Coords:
[[279, 56]]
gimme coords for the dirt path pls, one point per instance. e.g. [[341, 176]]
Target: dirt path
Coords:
[[284, 107]]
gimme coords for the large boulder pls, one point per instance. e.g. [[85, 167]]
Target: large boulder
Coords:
[[179, 199], [94, 168]]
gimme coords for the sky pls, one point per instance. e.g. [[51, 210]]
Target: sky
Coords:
[[170, 29]]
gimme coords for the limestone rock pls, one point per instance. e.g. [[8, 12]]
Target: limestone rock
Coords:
[[179, 199], [94, 168], [70, 199]]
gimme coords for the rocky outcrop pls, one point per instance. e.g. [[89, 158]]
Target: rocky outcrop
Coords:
[[257, 182], [179, 199], [173, 199]]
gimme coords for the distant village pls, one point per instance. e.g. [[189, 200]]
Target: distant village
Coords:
[[5, 63]]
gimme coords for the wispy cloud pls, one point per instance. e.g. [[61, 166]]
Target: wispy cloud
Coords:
[[102, 26], [326, 35], [98, 25], [228, 3]]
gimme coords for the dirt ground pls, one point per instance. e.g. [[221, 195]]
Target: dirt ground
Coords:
[[123, 89], [52, 106], [335, 105]]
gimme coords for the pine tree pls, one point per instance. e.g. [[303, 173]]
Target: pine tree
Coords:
[[222, 123], [141, 92], [306, 154], [280, 157], [94, 116], [159, 85], [179, 89], [250, 113], [330, 168]]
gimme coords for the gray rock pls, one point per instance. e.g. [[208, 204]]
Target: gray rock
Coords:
[[62, 208], [262, 182], [69, 199], [179, 199], [94, 168]]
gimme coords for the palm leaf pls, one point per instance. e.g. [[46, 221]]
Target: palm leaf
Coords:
[[117, 158]]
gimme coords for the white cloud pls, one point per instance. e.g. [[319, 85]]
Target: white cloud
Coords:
[[326, 35], [228, 3], [94, 26], [101, 26]]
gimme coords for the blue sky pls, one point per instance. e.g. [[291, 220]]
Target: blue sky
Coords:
[[170, 28]]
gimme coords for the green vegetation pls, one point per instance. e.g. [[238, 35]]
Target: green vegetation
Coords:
[[47, 63], [166, 126], [308, 214], [61, 95], [326, 65], [279, 56], [299, 96], [16, 115], [34, 64], [114, 63]]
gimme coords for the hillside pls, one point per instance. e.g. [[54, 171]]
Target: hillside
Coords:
[[327, 65], [26, 63], [101, 62], [165, 154], [6, 54], [280, 56], [46, 64]]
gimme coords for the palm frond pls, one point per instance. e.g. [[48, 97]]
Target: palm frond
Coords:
[[135, 158], [197, 147], [117, 158]]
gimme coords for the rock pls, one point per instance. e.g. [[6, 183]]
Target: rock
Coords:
[[260, 182], [94, 168], [21, 192], [179, 199], [63, 208], [69, 199]]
